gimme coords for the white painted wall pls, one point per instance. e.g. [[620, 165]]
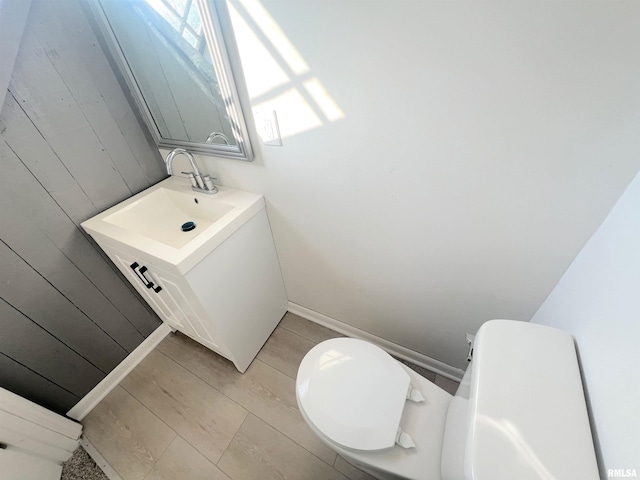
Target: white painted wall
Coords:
[[457, 160], [598, 301]]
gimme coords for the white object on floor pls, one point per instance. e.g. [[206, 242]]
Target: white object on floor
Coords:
[[37, 440]]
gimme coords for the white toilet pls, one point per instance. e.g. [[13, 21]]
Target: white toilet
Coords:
[[518, 414]]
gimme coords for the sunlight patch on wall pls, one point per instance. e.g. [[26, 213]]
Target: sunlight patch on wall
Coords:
[[299, 116], [278, 77], [276, 36], [262, 72], [325, 102]]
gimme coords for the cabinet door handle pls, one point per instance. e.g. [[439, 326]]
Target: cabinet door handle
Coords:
[[140, 272]]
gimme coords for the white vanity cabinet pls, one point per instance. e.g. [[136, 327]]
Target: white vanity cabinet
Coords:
[[167, 294], [230, 301]]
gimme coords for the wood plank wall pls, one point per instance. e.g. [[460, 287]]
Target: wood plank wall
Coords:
[[70, 147]]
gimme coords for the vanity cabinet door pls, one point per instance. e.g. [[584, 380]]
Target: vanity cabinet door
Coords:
[[156, 295], [169, 296], [188, 308]]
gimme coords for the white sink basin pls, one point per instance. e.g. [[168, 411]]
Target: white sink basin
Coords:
[[160, 214], [151, 221]]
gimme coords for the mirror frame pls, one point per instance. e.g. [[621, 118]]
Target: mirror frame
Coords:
[[224, 73]]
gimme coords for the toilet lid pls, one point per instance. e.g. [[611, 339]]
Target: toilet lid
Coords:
[[353, 392]]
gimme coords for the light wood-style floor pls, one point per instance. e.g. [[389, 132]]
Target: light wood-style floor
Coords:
[[187, 413]]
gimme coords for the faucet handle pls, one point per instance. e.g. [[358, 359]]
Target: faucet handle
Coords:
[[197, 178], [192, 178], [208, 183]]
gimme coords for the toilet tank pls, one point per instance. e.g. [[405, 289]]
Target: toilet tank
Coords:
[[520, 411]]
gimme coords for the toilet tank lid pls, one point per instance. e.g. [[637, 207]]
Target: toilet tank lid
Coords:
[[353, 392], [528, 417]]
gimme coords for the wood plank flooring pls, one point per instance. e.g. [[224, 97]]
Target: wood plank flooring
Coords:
[[187, 413]]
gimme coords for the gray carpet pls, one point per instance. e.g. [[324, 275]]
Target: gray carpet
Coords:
[[81, 467]]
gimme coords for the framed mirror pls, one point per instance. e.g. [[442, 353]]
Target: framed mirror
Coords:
[[173, 57]]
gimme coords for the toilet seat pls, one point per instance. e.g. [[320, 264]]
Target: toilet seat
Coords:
[[368, 390]]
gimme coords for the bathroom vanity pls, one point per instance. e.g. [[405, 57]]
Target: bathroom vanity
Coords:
[[219, 283]]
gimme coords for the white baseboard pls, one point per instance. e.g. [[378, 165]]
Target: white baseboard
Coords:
[[108, 383], [97, 457], [392, 348]]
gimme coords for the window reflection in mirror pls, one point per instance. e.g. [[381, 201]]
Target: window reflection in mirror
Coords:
[[172, 59]]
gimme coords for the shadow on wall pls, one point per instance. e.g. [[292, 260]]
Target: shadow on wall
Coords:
[[278, 77]]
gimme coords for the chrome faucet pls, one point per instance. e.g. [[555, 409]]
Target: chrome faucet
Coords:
[[213, 135], [199, 183]]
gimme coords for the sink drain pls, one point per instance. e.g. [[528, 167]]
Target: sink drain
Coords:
[[187, 226]]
